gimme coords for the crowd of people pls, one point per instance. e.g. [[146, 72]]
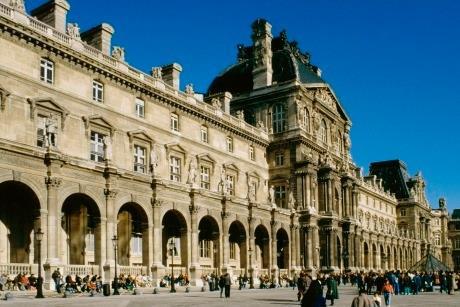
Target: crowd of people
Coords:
[[20, 282], [311, 290]]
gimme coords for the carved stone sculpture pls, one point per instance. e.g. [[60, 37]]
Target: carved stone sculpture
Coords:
[[154, 161], [223, 182], [189, 89], [240, 114], [107, 148], [192, 171], [118, 53], [271, 195], [18, 5], [51, 130], [73, 30], [157, 73]]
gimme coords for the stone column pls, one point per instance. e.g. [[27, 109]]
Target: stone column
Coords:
[[251, 248], [309, 253], [225, 242], [194, 265], [273, 250], [157, 265], [110, 231], [357, 251], [316, 252], [293, 244]]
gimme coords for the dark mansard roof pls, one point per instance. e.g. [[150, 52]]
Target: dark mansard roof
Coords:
[[394, 175]]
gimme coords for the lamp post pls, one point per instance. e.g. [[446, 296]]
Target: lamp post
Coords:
[[115, 279], [39, 238], [172, 248]]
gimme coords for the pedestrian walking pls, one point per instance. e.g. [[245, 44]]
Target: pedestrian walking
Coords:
[[228, 283], [332, 292], [313, 297], [221, 284], [362, 300], [387, 292], [56, 276]]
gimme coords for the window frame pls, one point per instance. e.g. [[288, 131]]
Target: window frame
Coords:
[[230, 181], [277, 155], [139, 107], [98, 91], [205, 184], [252, 153], [47, 67], [142, 167], [99, 143], [280, 196], [175, 168], [204, 134], [278, 118], [230, 145]]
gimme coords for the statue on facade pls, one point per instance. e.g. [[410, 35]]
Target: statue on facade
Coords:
[[154, 161], [192, 171], [51, 130], [442, 203], [215, 102], [107, 148], [118, 53], [18, 5], [157, 73], [189, 89], [73, 30], [223, 181], [271, 195], [240, 114], [260, 125], [251, 192], [291, 199]]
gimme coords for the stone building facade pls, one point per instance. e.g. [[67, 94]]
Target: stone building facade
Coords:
[[454, 235], [254, 177]]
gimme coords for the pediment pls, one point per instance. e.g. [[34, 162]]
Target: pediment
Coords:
[[326, 96], [231, 166], [47, 105], [141, 135], [98, 121], [253, 174], [175, 147], [206, 157]]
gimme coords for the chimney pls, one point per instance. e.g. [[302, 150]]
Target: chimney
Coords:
[[99, 37], [262, 40], [53, 13], [171, 74]]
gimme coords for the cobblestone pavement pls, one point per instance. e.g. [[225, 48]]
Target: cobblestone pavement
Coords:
[[270, 297]]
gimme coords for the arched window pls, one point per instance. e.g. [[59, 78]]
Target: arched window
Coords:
[[278, 118], [323, 131], [306, 119]]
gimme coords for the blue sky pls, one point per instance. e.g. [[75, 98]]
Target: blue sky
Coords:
[[393, 64]]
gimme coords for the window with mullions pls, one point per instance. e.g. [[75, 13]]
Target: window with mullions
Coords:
[[323, 131], [97, 147], [140, 164], [278, 118], [41, 131], [140, 107], [98, 91], [279, 159], [280, 196], [204, 134], [47, 71], [205, 178], [229, 144], [230, 184], [233, 250], [306, 119], [252, 155], [174, 169], [89, 240], [136, 244], [174, 122], [205, 248]]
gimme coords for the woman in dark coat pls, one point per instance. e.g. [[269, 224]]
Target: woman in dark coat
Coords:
[[332, 291], [314, 296]]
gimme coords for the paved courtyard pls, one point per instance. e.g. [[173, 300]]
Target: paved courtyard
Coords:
[[271, 297]]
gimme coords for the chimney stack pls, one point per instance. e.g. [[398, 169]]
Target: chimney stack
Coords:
[[171, 74], [100, 37], [53, 13], [262, 70]]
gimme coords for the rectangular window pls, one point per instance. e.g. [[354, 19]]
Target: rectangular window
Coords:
[[204, 176], [457, 244], [229, 144], [174, 122], [174, 169], [205, 249], [280, 196], [139, 159], [403, 212], [204, 134], [230, 184], [41, 131], [457, 261], [232, 250], [140, 107], [47, 71], [252, 155], [136, 244], [279, 159], [97, 147], [98, 91]]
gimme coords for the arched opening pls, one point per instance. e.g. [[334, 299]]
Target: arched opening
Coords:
[[282, 249], [262, 252], [374, 256], [366, 255], [133, 235], [174, 231], [339, 252], [237, 239], [382, 257], [19, 214], [82, 225], [208, 240]]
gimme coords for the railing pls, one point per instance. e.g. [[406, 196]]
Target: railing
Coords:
[[81, 270], [15, 268], [66, 39], [5, 10], [132, 270]]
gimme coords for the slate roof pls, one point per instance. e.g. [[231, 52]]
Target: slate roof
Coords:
[[394, 175], [456, 214]]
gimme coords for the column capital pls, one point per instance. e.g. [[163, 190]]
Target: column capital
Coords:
[[110, 193], [194, 209], [53, 182], [225, 215], [156, 203]]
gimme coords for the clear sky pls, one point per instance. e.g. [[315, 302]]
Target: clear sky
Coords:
[[394, 64]]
